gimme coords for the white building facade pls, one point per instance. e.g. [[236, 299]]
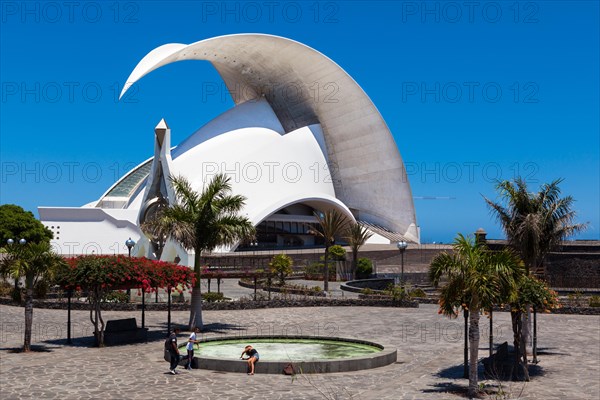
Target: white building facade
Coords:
[[289, 152]]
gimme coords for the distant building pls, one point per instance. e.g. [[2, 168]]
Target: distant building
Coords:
[[302, 137]]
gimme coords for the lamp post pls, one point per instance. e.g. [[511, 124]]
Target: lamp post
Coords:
[[69, 295], [253, 245], [129, 243], [402, 247]]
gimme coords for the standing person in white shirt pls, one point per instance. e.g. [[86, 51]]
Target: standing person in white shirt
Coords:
[[190, 346]]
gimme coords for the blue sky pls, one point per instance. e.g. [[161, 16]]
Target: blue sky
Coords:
[[472, 92]]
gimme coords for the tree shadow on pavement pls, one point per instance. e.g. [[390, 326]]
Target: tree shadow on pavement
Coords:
[[83, 341], [453, 372], [34, 349], [153, 335], [447, 388]]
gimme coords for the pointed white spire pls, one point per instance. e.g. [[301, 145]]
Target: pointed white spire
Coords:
[[162, 125], [161, 132]]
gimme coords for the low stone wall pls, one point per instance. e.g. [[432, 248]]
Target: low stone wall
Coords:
[[274, 303], [228, 305], [358, 285], [279, 289], [573, 270], [574, 264], [83, 305], [420, 300], [577, 310]]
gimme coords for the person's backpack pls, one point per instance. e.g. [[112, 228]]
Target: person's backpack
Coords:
[[167, 353]]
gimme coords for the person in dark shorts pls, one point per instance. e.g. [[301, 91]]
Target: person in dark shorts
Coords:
[[173, 350], [190, 346], [251, 356]]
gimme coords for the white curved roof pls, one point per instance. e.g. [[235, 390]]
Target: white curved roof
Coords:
[[304, 88]]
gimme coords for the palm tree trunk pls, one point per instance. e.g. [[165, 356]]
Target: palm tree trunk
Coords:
[[326, 272], [516, 325], [466, 345], [491, 333], [524, 356], [534, 346], [196, 306], [28, 312], [474, 355], [527, 325]]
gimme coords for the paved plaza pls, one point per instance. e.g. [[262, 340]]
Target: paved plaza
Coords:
[[428, 366]]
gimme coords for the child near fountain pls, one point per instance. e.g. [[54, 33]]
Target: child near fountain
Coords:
[[190, 347]]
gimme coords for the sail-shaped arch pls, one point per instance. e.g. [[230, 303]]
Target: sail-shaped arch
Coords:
[[304, 87]]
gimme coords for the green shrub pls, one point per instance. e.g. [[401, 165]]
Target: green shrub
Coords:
[[314, 269], [364, 268], [213, 297], [367, 291], [418, 292], [281, 264], [595, 301], [397, 292], [337, 253], [116, 296], [576, 297]]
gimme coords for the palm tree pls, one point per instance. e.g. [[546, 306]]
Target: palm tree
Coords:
[[534, 225], [476, 280], [356, 235], [331, 223], [202, 221], [34, 262]]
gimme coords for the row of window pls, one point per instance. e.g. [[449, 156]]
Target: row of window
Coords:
[[267, 227]]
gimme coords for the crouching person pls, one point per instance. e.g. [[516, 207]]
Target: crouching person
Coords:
[[251, 356]]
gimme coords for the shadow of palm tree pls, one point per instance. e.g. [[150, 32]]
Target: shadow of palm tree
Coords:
[[547, 351], [453, 372], [34, 348], [153, 335], [82, 341], [447, 388]]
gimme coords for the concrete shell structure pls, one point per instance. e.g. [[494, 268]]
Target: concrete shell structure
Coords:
[[295, 110]]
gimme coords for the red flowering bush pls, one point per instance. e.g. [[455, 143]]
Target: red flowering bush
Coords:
[[99, 275], [119, 272]]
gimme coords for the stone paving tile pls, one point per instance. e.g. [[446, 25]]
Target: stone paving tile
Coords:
[[429, 346]]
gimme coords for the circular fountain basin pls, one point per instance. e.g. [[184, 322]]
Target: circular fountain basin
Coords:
[[306, 354]]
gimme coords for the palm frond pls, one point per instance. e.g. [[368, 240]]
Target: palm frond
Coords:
[[534, 223], [331, 223], [356, 235], [475, 276], [202, 220]]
